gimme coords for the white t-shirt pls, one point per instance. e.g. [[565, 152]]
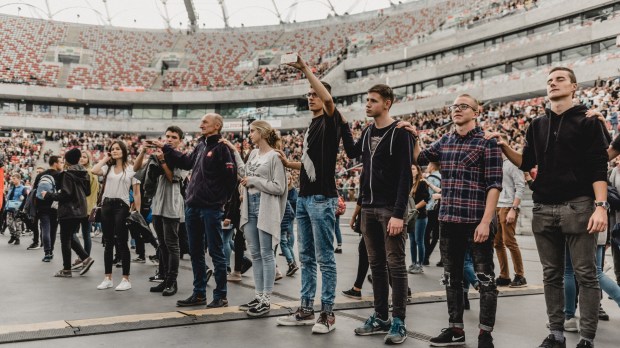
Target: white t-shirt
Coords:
[[118, 185]]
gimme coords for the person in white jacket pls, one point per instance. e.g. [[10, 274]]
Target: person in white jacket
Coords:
[[264, 189]]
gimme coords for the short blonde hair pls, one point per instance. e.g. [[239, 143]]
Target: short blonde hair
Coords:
[[476, 104]]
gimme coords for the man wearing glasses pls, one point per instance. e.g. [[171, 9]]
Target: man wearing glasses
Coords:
[[471, 172], [316, 205]]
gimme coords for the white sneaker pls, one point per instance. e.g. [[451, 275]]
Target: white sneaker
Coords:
[[570, 325], [124, 285], [105, 284]]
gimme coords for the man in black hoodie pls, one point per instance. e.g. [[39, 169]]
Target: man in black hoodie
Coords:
[[387, 153], [570, 200]]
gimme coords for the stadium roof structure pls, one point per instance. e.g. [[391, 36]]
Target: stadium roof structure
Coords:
[[188, 14]]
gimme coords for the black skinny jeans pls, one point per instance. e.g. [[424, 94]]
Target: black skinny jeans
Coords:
[[69, 227], [386, 256], [114, 212], [455, 239], [239, 250], [431, 236], [362, 264], [169, 252]]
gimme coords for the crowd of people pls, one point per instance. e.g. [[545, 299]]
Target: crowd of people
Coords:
[[197, 192]]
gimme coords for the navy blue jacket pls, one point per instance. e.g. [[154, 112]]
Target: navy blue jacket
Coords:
[[214, 172]]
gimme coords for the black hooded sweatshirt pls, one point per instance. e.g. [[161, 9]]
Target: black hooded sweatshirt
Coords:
[[386, 178], [571, 153], [73, 187]]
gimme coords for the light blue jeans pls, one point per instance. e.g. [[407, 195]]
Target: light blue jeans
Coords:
[[228, 245], [470, 277], [316, 221], [610, 287], [337, 231], [259, 243], [416, 240], [287, 241]]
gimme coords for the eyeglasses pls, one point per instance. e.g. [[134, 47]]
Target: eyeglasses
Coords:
[[310, 95], [461, 107]]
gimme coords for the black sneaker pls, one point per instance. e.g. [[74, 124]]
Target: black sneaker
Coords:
[[261, 309], [16, 241], [551, 342], [502, 281], [34, 246], [584, 344], [209, 274], [602, 315], [439, 264], [369, 277], [352, 293], [426, 263], [159, 287], [485, 340], [449, 337], [292, 268], [193, 300], [246, 306], [47, 258], [171, 289], [156, 278], [245, 265], [219, 303], [87, 264], [518, 282], [11, 240]]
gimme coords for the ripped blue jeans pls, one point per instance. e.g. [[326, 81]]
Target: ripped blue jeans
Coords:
[[454, 241]]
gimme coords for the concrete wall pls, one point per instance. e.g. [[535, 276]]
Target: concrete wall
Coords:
[[534, 86], [488, 30], [555, 42]]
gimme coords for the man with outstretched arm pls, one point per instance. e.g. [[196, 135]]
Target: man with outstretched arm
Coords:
[[570, 201]]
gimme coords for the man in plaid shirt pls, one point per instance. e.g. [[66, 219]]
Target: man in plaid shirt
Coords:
[[471, 172]]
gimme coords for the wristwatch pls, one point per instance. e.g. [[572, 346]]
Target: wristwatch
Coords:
[[515, 208], [603, 204]]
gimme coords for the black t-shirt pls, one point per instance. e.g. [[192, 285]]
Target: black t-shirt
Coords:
[[375, 136], [323, 141], [422, 194]]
